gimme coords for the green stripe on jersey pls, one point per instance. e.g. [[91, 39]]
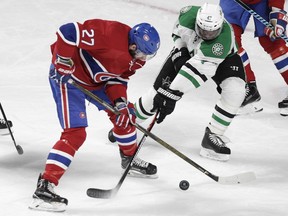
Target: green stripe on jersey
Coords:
[[189, 77]]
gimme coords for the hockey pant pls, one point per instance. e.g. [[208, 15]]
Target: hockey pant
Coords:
[[276, 49]]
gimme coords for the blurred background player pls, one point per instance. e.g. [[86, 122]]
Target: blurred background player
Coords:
[[272, 11], [100, 55], [204, 47], [3, 127]]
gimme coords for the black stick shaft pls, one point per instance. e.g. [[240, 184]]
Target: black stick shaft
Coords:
[[102, 193], [148, 133], [18, 148]]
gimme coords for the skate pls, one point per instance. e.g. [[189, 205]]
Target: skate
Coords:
[[3, 127], [214, 146], [283, 106], [45, 199], [251, 103], [111, 137], [140, 168]]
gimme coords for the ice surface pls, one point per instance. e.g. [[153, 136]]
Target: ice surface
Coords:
[[259, 141]]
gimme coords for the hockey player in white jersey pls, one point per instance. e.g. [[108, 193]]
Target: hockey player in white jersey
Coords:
[[204, 48]]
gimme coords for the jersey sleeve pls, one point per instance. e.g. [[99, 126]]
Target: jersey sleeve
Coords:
[[277, 4], [117, 87], [183, 32], [117, 90], [66, 43], [72, 36]]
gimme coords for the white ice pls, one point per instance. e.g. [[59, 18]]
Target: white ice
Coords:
[[259, 141]]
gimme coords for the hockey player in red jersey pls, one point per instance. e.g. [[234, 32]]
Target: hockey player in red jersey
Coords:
[[272, 11], [100, 55]]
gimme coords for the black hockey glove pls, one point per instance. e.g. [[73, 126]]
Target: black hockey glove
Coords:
[[165, 101]]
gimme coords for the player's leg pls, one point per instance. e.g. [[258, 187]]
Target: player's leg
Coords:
[[276, 49], [126, 138], [230, 78], [252, 95], [278, 52], [239, 18], [70, 104]]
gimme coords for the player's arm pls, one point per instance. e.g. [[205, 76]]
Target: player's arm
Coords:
[[63, 52], [193, 74], [180, 53], [116, 90], [165, 99], [279, 4]]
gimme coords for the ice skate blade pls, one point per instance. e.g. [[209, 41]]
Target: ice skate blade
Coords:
[[250, 109], [136, 174], [41, 205], [210, 154], [5, 131], [284, 111]]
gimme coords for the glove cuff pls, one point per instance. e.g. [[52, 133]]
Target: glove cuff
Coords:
[[170, 94]]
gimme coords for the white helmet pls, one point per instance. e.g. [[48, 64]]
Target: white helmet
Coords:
[[209, 21]]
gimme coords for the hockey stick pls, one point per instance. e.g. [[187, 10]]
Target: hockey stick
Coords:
[[234, 179], [260, 18], [18, 147], [110, 193]]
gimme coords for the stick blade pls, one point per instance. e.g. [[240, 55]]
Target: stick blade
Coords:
[[100, 193], [19, 149], [237, 179]]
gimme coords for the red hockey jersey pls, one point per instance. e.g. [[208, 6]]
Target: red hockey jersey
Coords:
[[99, 50], [272, 3]]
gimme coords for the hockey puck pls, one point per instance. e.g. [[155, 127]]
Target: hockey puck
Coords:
[[184, 185]]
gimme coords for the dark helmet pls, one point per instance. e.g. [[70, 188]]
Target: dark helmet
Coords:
[[145, 37]]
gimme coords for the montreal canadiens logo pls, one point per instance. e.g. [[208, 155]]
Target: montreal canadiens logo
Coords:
[[146, 37], [218, 49], [82, 115], [103, 76]]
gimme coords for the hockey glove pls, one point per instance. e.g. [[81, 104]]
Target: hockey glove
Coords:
[[60, 78], [64, 67], [165, 101], [127, 114], [279, 20]]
